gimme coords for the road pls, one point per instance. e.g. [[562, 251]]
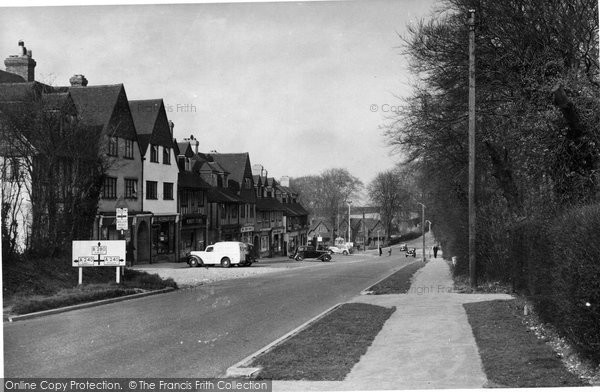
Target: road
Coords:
[[196, 332]]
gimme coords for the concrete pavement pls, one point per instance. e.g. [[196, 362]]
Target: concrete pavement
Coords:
[[426, 344]]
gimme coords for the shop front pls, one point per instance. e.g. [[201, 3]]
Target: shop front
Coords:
[[193, 234], [277, 241], [230, 233], [265, 242], [247, 234], [164, 238], [137, 235]]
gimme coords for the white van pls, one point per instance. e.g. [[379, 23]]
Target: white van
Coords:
[[223, 253]]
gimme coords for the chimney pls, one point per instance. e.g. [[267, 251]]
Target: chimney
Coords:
[[78, 80], [285, 181], [193, 142], [21, 64], [257, 169], [171, 126]]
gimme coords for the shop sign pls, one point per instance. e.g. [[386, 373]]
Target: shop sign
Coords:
[[192, 221], [247, 229], [277, 231]]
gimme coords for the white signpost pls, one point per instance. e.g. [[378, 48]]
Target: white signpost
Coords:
[[122, 219], [99, 254]]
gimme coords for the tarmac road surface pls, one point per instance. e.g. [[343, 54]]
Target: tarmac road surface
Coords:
[[195, 332]]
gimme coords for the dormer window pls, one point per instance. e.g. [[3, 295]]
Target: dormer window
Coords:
[[153, 153]]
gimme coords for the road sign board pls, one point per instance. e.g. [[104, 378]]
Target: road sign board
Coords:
[[98, 253], [121, 221]]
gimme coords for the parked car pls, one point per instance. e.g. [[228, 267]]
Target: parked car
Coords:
[[339, 249], [411, 252], [309, 252], [225, 254], [403, 247]]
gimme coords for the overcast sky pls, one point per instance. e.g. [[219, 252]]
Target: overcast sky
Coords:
[[290, 83]]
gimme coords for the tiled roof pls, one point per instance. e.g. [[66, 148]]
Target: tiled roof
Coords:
[[9, 77], [191, 180], [222, 195], [268, 204], [143, 141], [235, 164], [19, 92], [150, 118], [96, 104]]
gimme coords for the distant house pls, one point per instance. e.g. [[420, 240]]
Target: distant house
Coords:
[[295, 217], [320, 233], [160, 170]]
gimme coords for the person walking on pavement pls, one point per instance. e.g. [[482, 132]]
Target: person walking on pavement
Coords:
[[435, 250], [390, 251], [380, 250]]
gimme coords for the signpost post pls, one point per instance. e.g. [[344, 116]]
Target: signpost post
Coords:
[[122, 216]]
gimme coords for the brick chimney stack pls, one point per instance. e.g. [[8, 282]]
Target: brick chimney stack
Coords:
[[171, 126], [78, 80], [21, 64]]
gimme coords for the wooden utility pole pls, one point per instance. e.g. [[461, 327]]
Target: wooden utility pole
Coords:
[[472, 245]]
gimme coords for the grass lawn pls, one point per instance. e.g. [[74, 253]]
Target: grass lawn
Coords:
[[328, 348], [399, 282], [512, 355], [41, 284]]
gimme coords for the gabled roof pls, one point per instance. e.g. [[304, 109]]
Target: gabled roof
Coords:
[[239, 168], [184, 148], [20, 92], [150, 119], [106, 106], [9, 77]]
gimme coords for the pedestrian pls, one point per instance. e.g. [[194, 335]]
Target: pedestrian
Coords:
[[435, 250], [390, 251], [380, 250]]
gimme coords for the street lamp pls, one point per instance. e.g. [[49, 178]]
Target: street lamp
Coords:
[[423, 227], [378, 238], [349, 204]]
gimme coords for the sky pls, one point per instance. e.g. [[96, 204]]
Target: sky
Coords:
[[303, 87]]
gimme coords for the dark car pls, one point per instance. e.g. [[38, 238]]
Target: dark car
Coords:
[[411, 252], [403, 247], [309, 252]]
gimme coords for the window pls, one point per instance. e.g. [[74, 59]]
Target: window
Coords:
[[243, 211], [109, 188], [113, 146], [166, 155], [130, 188], [151, 190], [128, 149], [153, 153], [234, 211], [168, 191]]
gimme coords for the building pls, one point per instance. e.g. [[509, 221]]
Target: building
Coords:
[[160, 175], [107, 107], [241, 183], [295, 217], [193, 204]]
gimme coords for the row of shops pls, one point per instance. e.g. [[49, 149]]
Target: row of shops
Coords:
[[169, 238]]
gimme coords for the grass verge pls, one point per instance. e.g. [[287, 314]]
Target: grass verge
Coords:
[[328, 348], [511, 353], [42, 284], [399, 282]]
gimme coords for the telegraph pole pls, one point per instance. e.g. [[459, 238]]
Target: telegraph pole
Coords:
[[472, 246]]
